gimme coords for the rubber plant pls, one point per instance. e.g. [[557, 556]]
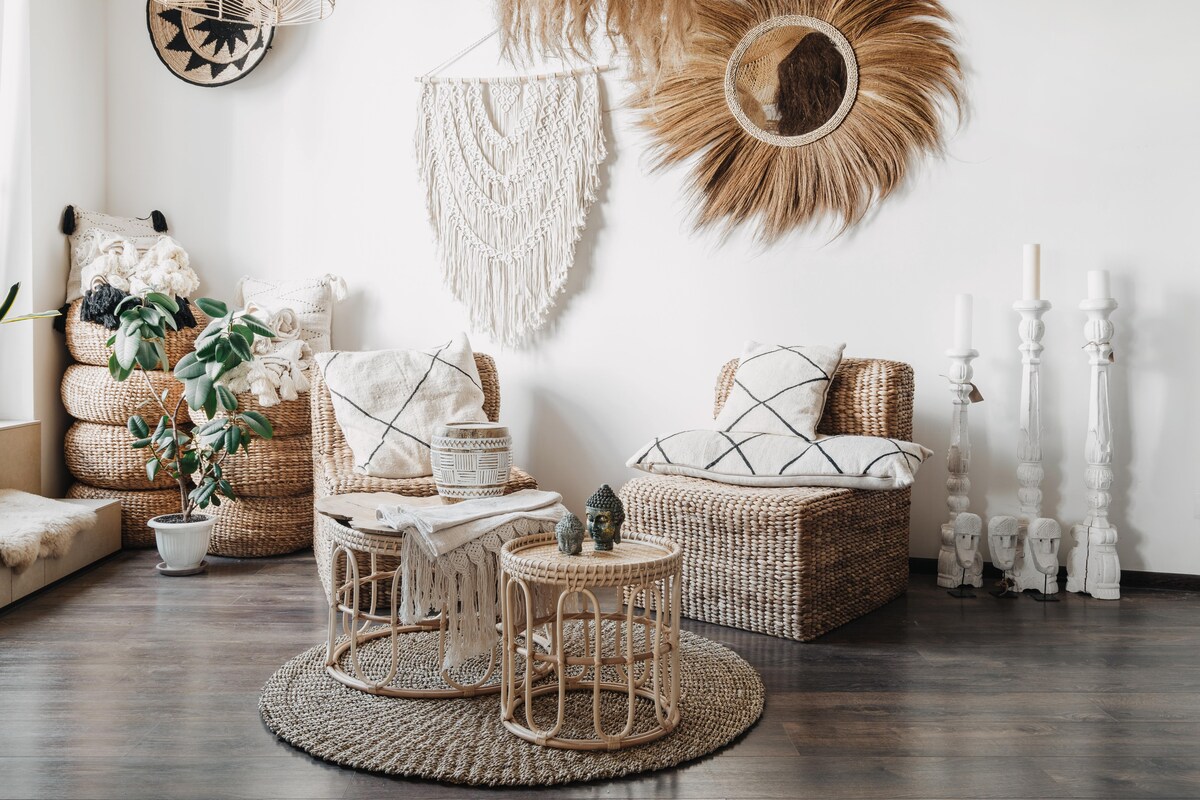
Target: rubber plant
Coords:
[[192, 458]]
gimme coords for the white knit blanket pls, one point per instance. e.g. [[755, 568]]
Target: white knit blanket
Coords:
[[445, 528], [450, 556], [33, 527]]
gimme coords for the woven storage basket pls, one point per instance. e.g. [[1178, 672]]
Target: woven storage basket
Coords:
[[790, 562], [86, 340], [288, 418], [101, 456], [91, 395], [279, 467], [251, 527], [136, 509]]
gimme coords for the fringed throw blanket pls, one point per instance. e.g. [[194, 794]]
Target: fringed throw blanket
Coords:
[[450, 559], [511, 167], [33, 527]]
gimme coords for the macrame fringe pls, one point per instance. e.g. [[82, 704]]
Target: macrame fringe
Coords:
[[467, 582], [507, 209]]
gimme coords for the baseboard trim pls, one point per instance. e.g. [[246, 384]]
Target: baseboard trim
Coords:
[[1133, 579]]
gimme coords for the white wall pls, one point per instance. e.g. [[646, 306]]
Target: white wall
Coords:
[[1081, 137], [55, 153]]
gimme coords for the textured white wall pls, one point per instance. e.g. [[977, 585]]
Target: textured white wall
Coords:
[[54, 153], [1081, 136]]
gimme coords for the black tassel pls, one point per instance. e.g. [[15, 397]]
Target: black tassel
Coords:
[[60, 322], [99, 305], [160, 222], [68, 221], [184, 317]]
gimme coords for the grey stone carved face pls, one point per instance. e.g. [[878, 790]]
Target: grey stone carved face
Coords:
[[569, 532]]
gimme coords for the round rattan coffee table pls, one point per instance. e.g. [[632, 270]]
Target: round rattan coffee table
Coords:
[[632, 649], [356, 598]]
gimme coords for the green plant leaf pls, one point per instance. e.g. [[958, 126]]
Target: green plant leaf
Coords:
[[188, 367], [23, 317], [226, 488], [258, 423], [207, 350], [189, 462], [226, 399], [7, 305], [138, 444], [137, 426], [214, 308], [126, 349], [131, 299], [258, 326], [152, 467], [210, 404], [233, 438], [197, 391], [241, 346], [161, 351], [165, 302], [147, 357]]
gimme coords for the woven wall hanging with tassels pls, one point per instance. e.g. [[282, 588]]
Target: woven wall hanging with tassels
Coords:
[[511, 167]]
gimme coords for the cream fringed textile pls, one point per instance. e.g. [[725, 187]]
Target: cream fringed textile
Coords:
[[511, 167]]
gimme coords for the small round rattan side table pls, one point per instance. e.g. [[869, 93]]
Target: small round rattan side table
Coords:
[[632, 650], [362, 620]]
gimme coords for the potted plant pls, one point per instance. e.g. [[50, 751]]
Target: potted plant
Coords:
[[192, 458]]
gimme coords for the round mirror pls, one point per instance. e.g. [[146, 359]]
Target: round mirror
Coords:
[[791, 80]]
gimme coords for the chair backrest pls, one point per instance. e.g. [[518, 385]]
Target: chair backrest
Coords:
[[868, 397], [328, 439]]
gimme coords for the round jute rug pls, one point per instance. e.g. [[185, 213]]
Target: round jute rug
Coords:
[[462, 741]]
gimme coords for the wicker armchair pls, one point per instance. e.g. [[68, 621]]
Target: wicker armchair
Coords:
[[333, 462], [791, 562]]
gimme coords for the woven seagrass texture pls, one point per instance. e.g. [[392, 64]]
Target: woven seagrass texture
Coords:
[[794, 563], [86, 340], [790, 562], [90, 394], [252, 527], [464, 742], [136, 509], [278, 467], [638, 559], [101, 456], [333, 463], [288, 418], [868, 397]]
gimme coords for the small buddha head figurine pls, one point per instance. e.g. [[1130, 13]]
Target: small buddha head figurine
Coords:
[[569, 532], [605, 516]]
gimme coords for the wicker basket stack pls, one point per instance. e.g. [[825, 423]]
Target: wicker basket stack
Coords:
[[97, 446], [274, 483]]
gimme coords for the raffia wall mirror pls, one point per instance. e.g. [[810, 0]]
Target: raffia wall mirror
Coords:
[[798, 110]]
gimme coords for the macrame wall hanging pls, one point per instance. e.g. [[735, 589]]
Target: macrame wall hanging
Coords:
[[511, 167]]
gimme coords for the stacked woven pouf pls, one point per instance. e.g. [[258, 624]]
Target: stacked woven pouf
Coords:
[[273, 479], [97, 445]]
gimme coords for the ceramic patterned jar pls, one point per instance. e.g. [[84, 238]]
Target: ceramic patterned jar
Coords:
[[471, 459]]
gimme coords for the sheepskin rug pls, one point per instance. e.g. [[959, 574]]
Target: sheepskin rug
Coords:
[[32, 526]]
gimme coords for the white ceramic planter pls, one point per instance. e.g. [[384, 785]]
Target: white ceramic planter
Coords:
[[182, 545]]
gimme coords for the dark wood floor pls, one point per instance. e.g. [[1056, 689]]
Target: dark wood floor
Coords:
[[121, 683]]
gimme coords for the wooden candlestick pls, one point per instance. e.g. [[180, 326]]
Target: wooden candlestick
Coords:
[[959, 562], [1030, 471], [1093, 567]]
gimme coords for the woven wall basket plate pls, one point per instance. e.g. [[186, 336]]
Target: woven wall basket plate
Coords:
[[205, 51], [462, 741]]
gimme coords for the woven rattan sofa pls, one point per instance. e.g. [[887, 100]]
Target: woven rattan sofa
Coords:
[[791, 562], [333, 462]]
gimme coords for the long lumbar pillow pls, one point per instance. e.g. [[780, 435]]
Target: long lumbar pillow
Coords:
[[764, 459], [387, 402]]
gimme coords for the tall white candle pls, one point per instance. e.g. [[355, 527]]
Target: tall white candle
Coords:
[[1098, 285], [1031, 274], [962, 322]]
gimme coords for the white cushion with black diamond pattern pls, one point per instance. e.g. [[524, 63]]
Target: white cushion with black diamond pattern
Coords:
[[764, 459], [780, 389], [387, 402]]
